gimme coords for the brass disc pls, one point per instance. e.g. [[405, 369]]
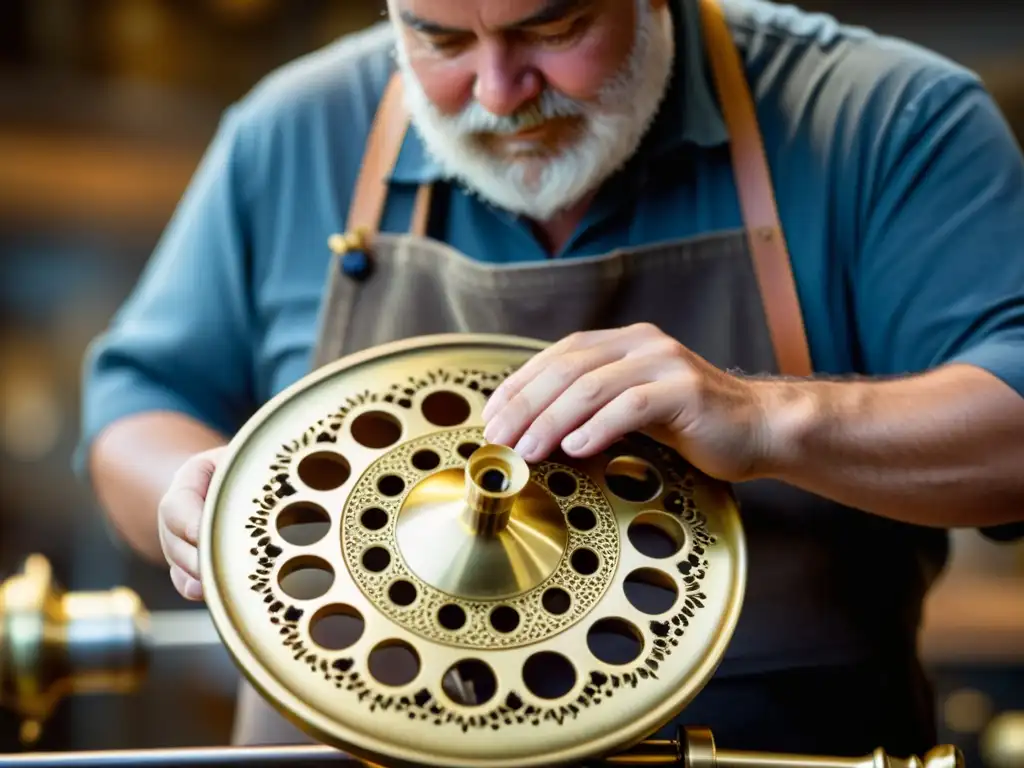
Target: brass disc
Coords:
[[412, 596]]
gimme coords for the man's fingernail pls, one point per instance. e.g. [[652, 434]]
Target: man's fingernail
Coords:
[[194, 589], [526, 446], [574, 442]]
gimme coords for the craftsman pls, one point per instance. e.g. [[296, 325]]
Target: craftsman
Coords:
[[617, 177]]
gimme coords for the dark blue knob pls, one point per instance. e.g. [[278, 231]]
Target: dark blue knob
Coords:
[[356, 264]]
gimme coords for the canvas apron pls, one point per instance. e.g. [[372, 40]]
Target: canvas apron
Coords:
[[730, 297]]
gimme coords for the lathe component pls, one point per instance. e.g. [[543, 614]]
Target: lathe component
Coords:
[[55, 644], [698, 750], [413, 596], [695, 748]]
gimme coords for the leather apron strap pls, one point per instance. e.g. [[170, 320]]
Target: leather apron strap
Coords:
[[750, 166], [757, 197], [383, 146]]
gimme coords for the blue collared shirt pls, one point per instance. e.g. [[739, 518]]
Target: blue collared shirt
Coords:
[[900, 188]]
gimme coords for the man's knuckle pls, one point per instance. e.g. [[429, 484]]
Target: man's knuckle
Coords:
[[636, 401], [564, 371], [184, 555], [172, 550], [545, 424], [518, 407], [175, 500], [646, 329], [589, 389], [574, 340], [667, 348], [193, 527]]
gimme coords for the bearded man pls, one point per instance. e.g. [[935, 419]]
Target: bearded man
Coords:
[[795, 247]]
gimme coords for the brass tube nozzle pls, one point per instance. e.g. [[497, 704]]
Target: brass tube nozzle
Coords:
[[495, 476]]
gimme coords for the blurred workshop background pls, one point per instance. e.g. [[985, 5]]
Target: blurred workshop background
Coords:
[[105, 108]]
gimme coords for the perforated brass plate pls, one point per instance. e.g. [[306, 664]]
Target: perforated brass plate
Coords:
[[417, 600]]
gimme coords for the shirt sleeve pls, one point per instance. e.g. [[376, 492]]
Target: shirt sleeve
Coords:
[[183, 339], [939, 277], [940, 273]]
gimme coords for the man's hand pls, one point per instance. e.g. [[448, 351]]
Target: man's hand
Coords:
[[181, 515], [590, 389], [941, 448]]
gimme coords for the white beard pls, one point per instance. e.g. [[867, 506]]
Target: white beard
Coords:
[[539, 187]]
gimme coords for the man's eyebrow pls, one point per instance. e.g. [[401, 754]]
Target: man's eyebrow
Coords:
[[425, 27], [553, 10]]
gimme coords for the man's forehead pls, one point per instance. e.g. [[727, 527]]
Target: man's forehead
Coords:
[[485, 14]]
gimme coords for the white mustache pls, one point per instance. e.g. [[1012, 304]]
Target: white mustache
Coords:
[[549, 105]]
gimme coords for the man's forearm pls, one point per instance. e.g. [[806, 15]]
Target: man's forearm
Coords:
[[942, 449], [132, 464]]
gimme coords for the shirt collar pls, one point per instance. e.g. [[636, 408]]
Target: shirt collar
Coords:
[[689, 115]]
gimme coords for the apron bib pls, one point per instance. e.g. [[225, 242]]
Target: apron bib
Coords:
[[825, 582]]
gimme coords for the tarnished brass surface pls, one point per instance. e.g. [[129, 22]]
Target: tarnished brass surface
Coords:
[[55, 644], [424, 616]]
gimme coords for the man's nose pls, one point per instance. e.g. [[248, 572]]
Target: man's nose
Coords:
[[504, 85]]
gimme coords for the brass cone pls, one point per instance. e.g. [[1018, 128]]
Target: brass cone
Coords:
[[480, 542]]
